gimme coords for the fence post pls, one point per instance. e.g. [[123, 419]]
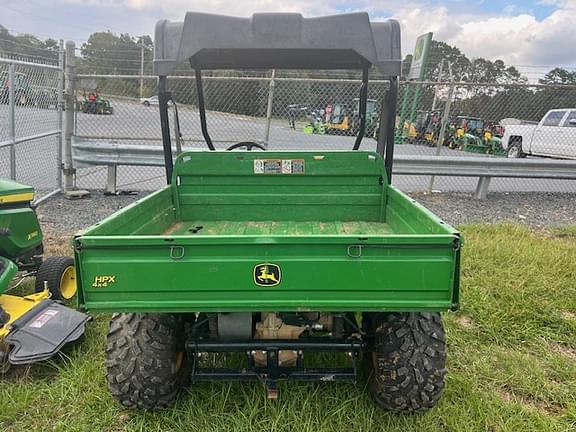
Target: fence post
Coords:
[[59, 114], [269, 109], [67, 165], [141, 67], [445, 118], [12, 120]]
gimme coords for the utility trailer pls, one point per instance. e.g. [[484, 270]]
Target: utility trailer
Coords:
[[274, 254]]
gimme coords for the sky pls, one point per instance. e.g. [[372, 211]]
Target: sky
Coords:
[[532, 34]]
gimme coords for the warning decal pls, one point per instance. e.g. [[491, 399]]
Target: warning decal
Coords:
[[279, 166], [43, 318]]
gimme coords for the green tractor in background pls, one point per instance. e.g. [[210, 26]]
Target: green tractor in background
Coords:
[[33, 327], [426, 128], [93, 103], [474, 135]]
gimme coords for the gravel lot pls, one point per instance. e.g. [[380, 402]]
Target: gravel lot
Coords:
[[537, 210]]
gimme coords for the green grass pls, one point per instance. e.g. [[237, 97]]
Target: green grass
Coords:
[[511, 350]]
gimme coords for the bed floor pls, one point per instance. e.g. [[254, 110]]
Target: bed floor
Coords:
[[277, 228]]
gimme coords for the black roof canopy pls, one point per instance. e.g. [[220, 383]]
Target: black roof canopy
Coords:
[[278, 40]]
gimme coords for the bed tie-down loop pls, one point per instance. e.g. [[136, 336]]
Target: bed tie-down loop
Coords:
[[177, 252]]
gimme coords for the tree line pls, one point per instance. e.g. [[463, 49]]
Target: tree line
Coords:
[[113, 54]]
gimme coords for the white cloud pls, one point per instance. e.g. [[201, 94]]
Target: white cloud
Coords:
[[515, 35], [519, 39]]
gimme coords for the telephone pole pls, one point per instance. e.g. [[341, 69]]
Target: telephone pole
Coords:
[[141, 66]]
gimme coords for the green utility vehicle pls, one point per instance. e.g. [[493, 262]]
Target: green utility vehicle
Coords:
[[274, 254], [36, 326]]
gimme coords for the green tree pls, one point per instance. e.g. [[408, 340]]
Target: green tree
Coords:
[[442, 51], [27, 47], [560, 76], [106, 53]]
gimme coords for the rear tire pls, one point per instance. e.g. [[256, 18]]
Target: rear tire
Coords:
[[406, 365], [60, 274], [144, 368]]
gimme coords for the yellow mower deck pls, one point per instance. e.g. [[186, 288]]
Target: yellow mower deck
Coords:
[[16, 306]]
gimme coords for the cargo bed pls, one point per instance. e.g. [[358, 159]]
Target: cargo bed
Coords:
[[328, 220]]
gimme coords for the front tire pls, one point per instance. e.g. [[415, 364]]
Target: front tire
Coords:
[[59, 274], [406, 362], [145, 369], [515, 150]]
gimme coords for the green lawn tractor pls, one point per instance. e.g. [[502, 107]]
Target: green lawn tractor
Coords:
[[95, 105], [276, 256], [33, 327], [463, 131], [474, 135]]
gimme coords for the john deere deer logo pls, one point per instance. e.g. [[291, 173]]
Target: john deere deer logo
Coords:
[[267, 274]]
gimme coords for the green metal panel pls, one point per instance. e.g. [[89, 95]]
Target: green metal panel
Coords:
[[12, 189], [343, 239], [25, 232], [333, 186]]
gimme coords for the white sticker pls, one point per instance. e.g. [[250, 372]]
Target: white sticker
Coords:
[[286, 166], [258, 166], [43, 318], [279, 166]]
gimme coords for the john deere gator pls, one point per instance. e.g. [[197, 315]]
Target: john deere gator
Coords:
[[274, 254]]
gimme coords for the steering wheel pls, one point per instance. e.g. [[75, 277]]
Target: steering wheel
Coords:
[[248, 144]]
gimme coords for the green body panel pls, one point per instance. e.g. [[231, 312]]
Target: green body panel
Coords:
[[19, 218], [343, 239], [10, 187], [7, 271], [473, 144]]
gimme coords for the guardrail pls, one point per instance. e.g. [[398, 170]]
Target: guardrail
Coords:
[[112, 155]]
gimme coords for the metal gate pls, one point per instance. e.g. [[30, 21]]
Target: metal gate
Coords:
[[31, 104]]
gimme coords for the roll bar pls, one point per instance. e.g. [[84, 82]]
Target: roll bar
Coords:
[[280, 41]]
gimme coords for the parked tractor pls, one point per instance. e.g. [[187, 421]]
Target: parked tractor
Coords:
[[33, 327], [426, 128], [274, 254], [93, 103], [341, 120], [474, 135]]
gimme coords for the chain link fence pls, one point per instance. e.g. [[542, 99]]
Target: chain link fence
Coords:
[[31, 123], [297, 113]]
